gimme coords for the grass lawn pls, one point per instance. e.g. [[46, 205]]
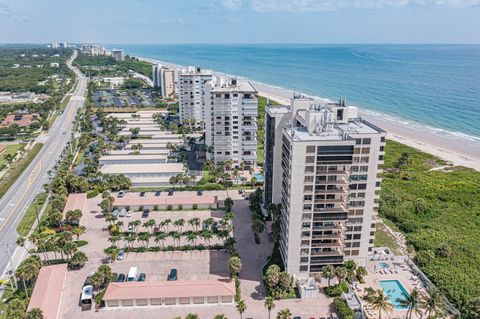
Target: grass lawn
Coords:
[[9, 149], [439, 213], [65, 102], [384, 239], [29, 218], [18, 168]]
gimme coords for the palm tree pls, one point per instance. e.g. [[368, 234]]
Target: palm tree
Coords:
[[241, 307], [341, 273], [221, 316], [192, 237], [34, 313], [159, 238], [257, 228], [235, 265], [380, 302], [150, 224], [328, 272], [194, 222], [433, 303], [79, 231], [412, 302], [284, 314], [269, 304], [179, 223]]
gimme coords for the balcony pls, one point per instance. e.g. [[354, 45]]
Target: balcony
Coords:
[[338, 236], [325, 245], [250, 128], [332, 191], [333, 252]]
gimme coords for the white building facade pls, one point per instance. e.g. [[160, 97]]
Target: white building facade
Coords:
[[322, 164], [231, 121], [191, 94]]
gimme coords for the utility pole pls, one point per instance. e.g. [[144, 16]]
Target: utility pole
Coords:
[[11, 272]]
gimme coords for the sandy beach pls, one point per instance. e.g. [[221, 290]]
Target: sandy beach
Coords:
[[458, 149]]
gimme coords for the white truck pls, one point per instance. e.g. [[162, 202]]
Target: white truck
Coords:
[[132, 274]]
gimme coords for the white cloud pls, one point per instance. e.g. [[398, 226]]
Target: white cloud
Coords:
[[332, 5], [9, 16], [232, 4]]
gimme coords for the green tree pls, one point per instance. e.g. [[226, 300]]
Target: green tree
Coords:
[[241, 307], [34, 313], [341, 273], [433, 303], [235, 265], [16, 309], [328, 272], [412, 302], [284, 314], [78, 260], [380, 302], [269, 304]]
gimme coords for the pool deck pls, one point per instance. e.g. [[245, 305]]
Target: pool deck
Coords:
[[400, 272]]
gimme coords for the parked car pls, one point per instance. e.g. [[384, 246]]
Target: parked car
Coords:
[[157, 193], [205, 226], [240, 191], [129, 213], [170, 193], [121, 278], [121, 194], [199, 193], [142, 277], [130, 228], [121, 255], [172, 275], [297, 317], [145, 213], [142, 194]]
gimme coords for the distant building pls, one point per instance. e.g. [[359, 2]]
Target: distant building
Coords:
[[54, 45], [191, 94], [92, 49], [230, 121], [63, 45], [322, 165], [118, 55], [21, 120], [164, 79], [54, 65]]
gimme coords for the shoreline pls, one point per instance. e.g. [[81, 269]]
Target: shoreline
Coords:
[[457, 150]]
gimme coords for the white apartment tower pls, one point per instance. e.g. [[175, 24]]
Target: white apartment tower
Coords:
[[164, 79], [118, 55], [191, 94], [322, 165], [231, 121]]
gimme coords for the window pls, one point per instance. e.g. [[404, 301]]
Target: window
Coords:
[[380, 158], [308, 188], [364, 159], [310, 149], [310, 159], [307, 197], [366, 150], [382, 139], [303, 268], [367, 141], [307, 207], [363, 168], [309, 169], [382, 148], [308, 179]]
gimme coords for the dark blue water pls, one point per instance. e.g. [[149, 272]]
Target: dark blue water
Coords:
[[438, 85]]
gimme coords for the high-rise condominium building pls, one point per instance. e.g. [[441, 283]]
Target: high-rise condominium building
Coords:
[[191, 94], [118, 55], [322, 165], [231, 121], [164, 79]]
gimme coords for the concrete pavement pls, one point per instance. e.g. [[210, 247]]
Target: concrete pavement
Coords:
[[21, 194]]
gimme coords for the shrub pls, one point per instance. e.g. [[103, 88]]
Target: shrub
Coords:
[[342, 309], [336, 290], [194, 206], [180, 207], [127, 207], [140, 208], [169, 207], [92, 194], [155, 208]]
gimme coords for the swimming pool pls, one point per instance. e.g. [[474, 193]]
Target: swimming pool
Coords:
[[259, 177], [394, 291], [383, 265]]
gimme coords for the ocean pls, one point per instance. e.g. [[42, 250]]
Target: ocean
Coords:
[[433, 85]]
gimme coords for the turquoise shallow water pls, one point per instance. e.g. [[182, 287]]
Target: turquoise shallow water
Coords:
[[438, 85]]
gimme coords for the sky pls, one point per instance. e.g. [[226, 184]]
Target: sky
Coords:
[[240, 21]]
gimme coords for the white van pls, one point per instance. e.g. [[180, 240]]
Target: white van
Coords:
[[132, 274]]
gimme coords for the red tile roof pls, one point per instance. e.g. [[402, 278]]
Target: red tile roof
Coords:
[[48, 290], [169, 289]]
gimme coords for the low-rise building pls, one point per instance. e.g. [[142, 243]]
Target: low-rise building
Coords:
[[133, 159], [169, 293]]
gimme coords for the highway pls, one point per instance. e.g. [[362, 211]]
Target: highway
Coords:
[[21, 194]]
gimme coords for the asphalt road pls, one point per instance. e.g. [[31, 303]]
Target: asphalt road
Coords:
[[21, 194]]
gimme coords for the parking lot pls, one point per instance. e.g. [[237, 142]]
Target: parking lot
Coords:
[[191, 265], [125, 98]]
